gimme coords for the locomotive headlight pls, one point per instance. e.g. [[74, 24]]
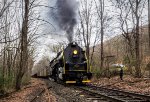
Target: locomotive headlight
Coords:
[[75, 52]]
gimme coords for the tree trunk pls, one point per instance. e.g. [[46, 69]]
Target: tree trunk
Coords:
[[19, 80], [137, 44], [102, 54], [88, 56], [24, 53], [131, 54], [149, 22], [137, 65], [149, 28], [102, 33], [4, 67]]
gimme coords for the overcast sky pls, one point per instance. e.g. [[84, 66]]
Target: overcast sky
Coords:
[[51, 35]]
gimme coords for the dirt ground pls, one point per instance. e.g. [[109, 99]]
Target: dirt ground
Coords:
[[27, 93], [55, 93], [60, 93], [129, 83]]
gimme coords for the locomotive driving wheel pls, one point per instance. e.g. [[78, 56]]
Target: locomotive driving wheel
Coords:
[[58, 80]]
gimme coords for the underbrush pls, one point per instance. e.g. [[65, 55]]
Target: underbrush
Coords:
[[8, 82]]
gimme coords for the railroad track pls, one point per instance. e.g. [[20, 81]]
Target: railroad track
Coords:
[[111, 95], [38, 94]]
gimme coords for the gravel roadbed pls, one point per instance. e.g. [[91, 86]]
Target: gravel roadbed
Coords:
[[65, 93]]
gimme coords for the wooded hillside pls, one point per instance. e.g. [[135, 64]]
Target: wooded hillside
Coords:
[[117, 50]]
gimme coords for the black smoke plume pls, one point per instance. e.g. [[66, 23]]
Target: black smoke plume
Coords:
[[65, 16]]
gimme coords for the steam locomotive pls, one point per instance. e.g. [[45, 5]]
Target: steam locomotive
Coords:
[[70, 65]]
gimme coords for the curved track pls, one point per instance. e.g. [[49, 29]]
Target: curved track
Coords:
[[37, 95], [111, 95]]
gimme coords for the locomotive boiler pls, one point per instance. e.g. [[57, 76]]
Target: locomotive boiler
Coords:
[[70, 65]]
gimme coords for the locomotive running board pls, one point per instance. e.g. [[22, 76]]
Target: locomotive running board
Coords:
[[84, 81], [67, 82]]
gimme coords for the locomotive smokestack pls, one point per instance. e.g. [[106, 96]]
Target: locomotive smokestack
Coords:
[[65, 16]]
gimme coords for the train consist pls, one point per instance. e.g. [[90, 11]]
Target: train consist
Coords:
[[70, 65]]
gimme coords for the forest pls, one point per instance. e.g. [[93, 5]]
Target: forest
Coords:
[[110, 31]]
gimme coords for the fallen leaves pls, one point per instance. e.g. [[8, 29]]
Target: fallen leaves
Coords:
[[129, 83], [26, 92]]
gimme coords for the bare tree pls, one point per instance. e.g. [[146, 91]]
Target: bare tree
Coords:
[[86, 25], [130, 14], [5, 5], [100, 6], [136, 8], [124, 19], [28, 36], [149, 22], [149, 29], [24, 46], [18, 27], [89, 29], [5, 41]]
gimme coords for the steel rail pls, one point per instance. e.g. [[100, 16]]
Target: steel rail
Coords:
[[122, 96], [37, 95], [97, 95], [146, 97]]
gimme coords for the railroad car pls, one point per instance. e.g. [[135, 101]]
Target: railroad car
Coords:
[[41, 73], [70, 65]]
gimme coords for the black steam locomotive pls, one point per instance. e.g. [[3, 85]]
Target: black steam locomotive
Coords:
[[70, 65]]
